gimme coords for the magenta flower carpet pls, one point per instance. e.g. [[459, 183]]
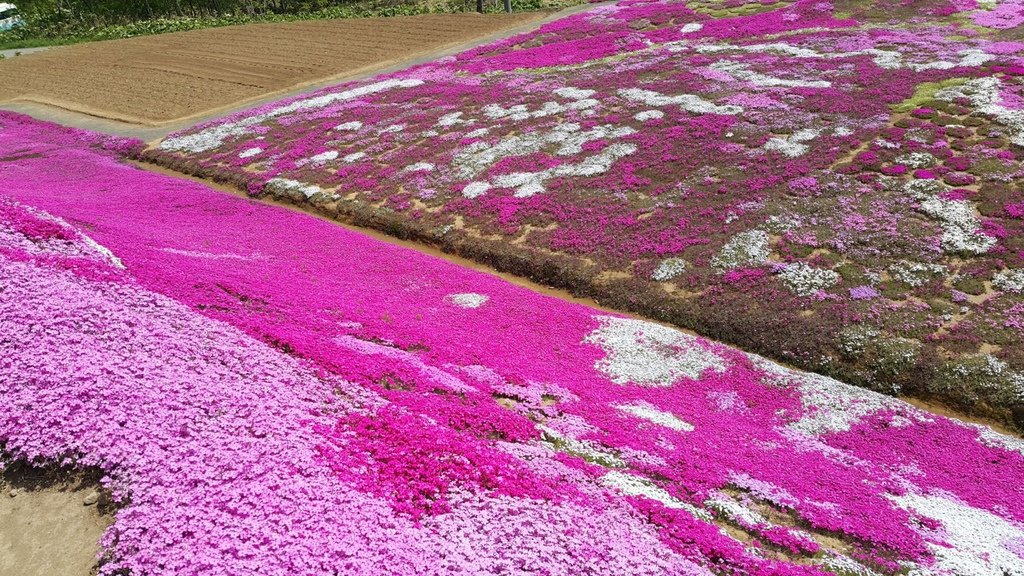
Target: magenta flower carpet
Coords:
[[268, 393], [836, 185]]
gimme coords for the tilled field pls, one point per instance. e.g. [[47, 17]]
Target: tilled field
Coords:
[[167, 77]]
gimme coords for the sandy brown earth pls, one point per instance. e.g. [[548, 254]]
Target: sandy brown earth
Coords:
[[49, 524], [156, 79]]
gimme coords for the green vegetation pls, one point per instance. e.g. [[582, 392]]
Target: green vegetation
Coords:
[[54, 22]]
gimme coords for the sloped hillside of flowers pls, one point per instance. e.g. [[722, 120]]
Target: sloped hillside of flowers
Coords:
[[833, 184], [270, 393]]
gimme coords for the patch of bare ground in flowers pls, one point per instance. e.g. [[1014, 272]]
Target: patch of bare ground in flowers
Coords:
[[51, 521], [168, 77]]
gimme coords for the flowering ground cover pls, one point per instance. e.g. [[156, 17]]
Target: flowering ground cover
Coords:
[[833, 184], [270, 393]]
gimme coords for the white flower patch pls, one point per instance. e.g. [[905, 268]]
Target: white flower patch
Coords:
[[478, 133], [308, 190], [691, 27], [574, 140], [972, 541], [831, 406], [349, 126], [631, 485], [749, 248], [393, 128], [960, 226], [468, 299], [888, 59], [574, 93], [250, 152], [792, 146], [991, 438], [805, 280], [475, 189], [452, 119], [213, 137], [1009, 280], [649, 115], [323, 157], [479, 156], [840, 564], [842, 131], [916, 159], [983, 94], [529, 183], [520, 112], [419, 167], [648, 412], [669, 269], [915, 274], [648, 354], [353, 157], [743, 73], [688, 102]]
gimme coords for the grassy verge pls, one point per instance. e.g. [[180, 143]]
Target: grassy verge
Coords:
[[32, 36]]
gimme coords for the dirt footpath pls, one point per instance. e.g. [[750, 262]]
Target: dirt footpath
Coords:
[[49, 525], [152, 80]]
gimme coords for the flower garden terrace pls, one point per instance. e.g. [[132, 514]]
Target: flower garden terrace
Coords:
[[834, 185], [269, 392]]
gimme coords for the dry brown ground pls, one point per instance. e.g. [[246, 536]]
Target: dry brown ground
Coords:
[[46, 529], [157, 79]]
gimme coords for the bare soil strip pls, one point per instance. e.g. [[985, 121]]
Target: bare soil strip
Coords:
[[50, 523], [170, 78]]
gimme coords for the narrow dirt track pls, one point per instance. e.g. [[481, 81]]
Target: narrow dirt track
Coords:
[[159, 79]]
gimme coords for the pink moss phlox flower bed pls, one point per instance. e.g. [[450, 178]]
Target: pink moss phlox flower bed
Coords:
[[271, 393], [810, 180]]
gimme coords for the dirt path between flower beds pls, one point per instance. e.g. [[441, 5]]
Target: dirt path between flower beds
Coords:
[[46, 527], [171, 78], [338, 219]]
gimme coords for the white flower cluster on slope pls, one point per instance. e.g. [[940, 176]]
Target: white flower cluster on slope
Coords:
[[688, 102], [749, 248], [468, 299], [668, 269], [827, 404], [213, 137], [648, 354], [631, 485], [743, 73], [1009, 280], [915, 274], [308, 190], [916, 159], [569, 138], [960, 226], [648, 412], [805, 280], [888, 59], [972, 541], [792, 146], [983, 94]]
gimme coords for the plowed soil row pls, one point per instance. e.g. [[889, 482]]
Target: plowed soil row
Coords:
[[158, 79]]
